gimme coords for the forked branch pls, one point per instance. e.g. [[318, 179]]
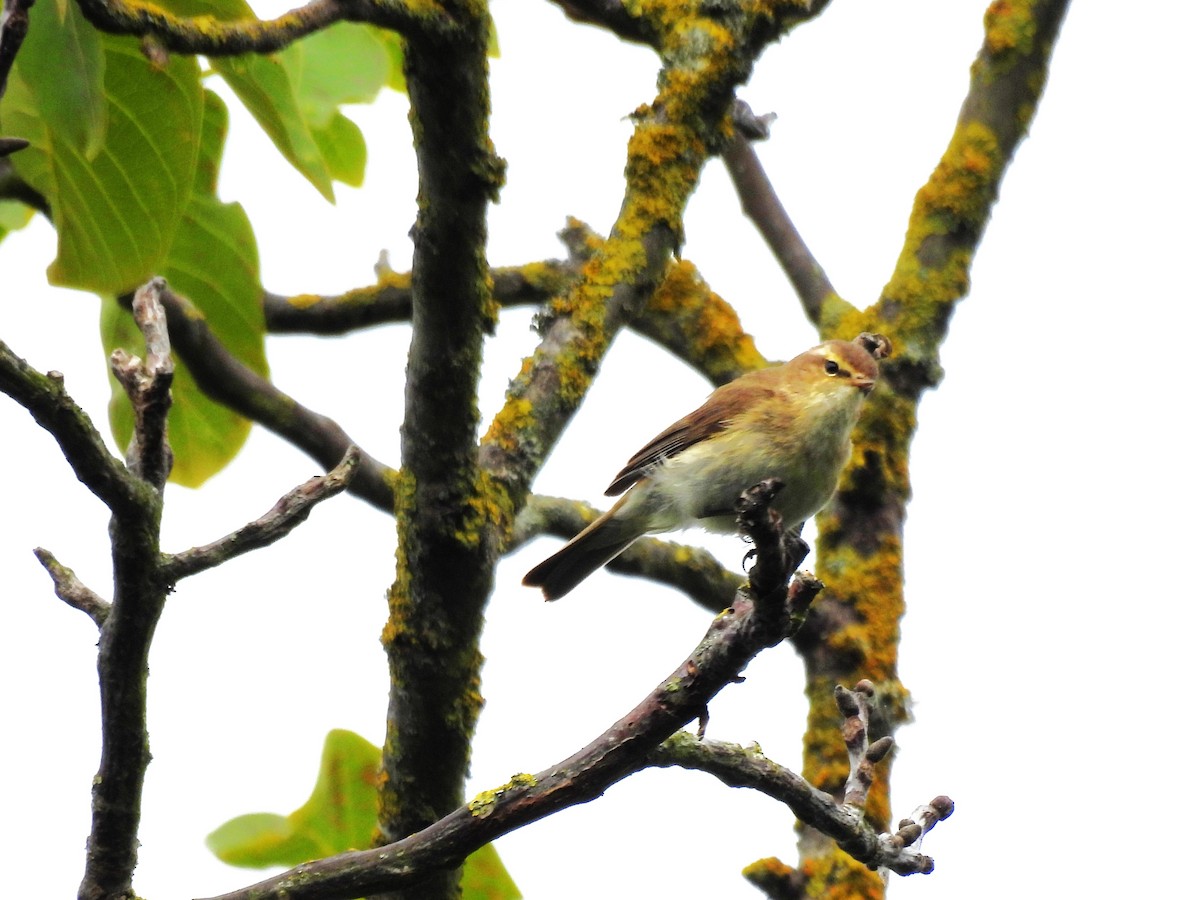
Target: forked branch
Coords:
[[761, 615]]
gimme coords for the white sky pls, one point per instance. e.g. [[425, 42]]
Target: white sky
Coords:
[[1051, 602]]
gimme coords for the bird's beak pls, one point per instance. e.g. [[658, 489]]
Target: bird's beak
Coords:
[[863, 383]]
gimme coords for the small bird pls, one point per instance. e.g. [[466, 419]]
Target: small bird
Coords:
[[791, 422]]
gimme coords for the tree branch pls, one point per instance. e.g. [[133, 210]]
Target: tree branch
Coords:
[[291, 509], [390, 300], [211, 37], [704, 58], [690, 570], [755, 621], [139, 595], [684, 315], [71, 590], [747, 767], [226, 379], [856, 631], [855, 708], [449, 527], [14, 24], [148, 385], [763, 207], [84, 449]]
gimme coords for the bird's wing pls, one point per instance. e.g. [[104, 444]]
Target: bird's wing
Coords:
[[714, 416]]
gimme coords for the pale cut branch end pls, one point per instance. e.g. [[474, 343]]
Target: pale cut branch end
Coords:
[[148, 384]]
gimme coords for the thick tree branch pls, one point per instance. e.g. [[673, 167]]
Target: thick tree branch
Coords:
[[683, 316], [755, 621], [449, 529], [855, 633], [952, 209], [209, 36], [291, 509], [139, 595], [705, 57]]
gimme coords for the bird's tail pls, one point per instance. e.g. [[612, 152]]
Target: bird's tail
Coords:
[[601, 541]]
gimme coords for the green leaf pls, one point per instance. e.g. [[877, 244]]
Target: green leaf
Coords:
[[485, 878], [295, 94], [339, 816], [321, 78], [213, 261], [13, 216], [394, 45], [116, 205], [264, 86], [62, 61], [257, 840], [344, 149]]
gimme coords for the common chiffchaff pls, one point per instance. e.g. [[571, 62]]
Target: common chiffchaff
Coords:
[[790, 422]]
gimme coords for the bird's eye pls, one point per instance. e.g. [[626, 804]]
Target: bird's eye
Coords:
[[831, 368]]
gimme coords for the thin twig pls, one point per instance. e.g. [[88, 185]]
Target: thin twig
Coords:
[[47, 400], [747, 767], [763, 207], [291, 509], [71, 590], [10, 145]]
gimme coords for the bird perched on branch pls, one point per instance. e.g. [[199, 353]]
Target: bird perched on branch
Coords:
[[790, 422]]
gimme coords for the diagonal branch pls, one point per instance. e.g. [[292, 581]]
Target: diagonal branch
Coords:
[[291, 509], [72, 591], [754, 622], [763, 207], [951, 210], [226, 379], [705, 56], [855, 633], [747, 767], [690, 570], [46, 399]]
